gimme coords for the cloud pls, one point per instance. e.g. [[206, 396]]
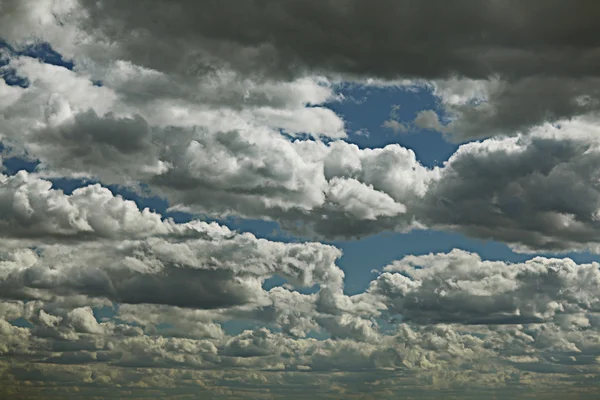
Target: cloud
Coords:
[[425, 119], [397, 127], [458, 287], [491, 323], [331, 190], [428, 119], [107, 248], [475, 46], [65, 101], [317, 189], [393, 123], [31, 209], [520, 190], [543, 68], [100, 298], [486, 108], [223, 154], [249, 170], [473, 358], [216, 272], [219, 161]]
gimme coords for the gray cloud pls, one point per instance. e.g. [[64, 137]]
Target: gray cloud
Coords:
[[512, 190], [219, 163], [480, 108], [428, 119], [474, 39], [252, 172], [446, 357], [537, 192], [397, 127], [542, 52], [216, 272], [110, 249]]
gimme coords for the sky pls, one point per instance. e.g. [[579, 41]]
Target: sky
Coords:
[[332, 199]]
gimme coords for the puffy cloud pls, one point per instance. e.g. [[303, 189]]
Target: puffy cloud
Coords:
[[333, 190], [396, 126], [31, 209], [337, 190], [361, 201], [254, 172], [203, 273], [458, 287], [428, 119], [328, 312], [224, 101], [214, 159], [225, 159], [174, 321], [533, 192], [109, 249], [15, 340]]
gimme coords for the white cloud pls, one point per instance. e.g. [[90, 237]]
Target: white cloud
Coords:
[[30, 208], [458, 287]]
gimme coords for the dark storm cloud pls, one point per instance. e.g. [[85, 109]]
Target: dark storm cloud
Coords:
[[511, 107], [385, 38], [544, 52]]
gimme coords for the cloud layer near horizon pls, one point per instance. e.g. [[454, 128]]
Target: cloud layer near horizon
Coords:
[[497, 326]]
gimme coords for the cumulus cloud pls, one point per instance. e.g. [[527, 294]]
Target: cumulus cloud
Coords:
[[222, 154], [328, 190], [31, 209], [525, 352], [534, 192], [475, 46], [461, 314], [213, 272], [458, 287], [428, 119], [537, 315], [216, 161], [220, 164], [334, 190], [396, 126]]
